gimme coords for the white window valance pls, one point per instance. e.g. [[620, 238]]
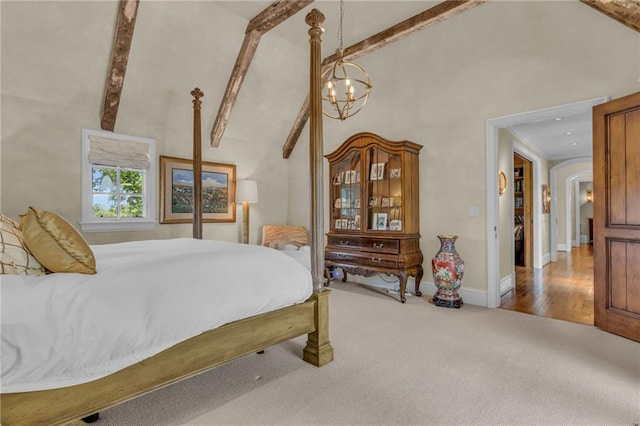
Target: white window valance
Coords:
[[117, 152]]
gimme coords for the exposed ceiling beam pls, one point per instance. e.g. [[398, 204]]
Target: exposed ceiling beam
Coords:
[[627, 12], [119, 57], [431, 16], [270, 17], [275, 14]]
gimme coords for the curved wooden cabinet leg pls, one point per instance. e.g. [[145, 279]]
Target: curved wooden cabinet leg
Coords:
[[327, 275], [92, 418], [403, 285], [418, 280], [344, 275]]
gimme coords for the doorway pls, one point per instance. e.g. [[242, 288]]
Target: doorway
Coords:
[[495, 250], [522, 211]]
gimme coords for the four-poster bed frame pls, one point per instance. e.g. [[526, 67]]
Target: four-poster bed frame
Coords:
[[214, 347]]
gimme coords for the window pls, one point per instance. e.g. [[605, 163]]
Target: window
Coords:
[[118, 182]]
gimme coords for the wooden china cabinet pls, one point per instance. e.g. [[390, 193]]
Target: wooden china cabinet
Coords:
[[374, 204]]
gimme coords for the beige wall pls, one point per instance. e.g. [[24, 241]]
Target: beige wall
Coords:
[[437, 88]]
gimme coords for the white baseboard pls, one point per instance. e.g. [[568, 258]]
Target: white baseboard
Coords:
[[468, 295], [562, 247], [546, 259], [584, 239], [506, 284]]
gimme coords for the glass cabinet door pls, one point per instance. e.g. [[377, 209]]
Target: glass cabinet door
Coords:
[[384, 190], [346, 194]]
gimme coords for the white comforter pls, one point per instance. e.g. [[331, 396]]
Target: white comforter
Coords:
[[63, 329]]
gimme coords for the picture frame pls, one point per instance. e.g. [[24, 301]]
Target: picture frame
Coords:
[[373, 201], [380, 221], [546, 198], [176, 191], [373, 174], [380, 171], [385, 202], [394, 174], [395, 225]]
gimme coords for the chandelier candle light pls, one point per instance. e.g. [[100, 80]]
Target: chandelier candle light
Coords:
[[342, 96]]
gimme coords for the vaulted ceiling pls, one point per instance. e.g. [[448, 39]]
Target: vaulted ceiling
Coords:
[[363, 36]]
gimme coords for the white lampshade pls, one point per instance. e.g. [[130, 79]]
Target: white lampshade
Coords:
[[247, 191]]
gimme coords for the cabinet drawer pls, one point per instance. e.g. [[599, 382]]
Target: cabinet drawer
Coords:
[[378, 245], [362, 258]]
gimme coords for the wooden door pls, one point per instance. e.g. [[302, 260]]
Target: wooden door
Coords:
[[616, 216]]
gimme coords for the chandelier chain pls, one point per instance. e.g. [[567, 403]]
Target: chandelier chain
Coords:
[[340, 27]]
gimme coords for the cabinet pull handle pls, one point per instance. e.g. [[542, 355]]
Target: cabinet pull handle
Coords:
[[344, 242], [376, 259], [341, 255], [376, 245]]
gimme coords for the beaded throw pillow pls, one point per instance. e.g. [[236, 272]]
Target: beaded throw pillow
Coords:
[[15, 258]]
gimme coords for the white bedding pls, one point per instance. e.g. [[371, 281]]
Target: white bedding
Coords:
[[302, 255], [64, 329]]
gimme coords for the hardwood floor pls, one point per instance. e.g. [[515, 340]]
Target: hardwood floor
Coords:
[[561, 290]]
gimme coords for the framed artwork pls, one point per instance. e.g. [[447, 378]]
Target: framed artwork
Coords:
[[176, 191], [380, 221], [373, 201], [373, 175], [394, 174], [546, 198], [385, 202], [380, 171], [395, 225]]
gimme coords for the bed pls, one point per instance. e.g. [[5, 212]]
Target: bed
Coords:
[[178, 354], [291, 240]]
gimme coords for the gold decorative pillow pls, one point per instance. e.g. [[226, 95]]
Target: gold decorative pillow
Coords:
[[56, 243], [15, 258]]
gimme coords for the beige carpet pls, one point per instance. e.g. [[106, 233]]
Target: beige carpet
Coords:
[[414, 364]]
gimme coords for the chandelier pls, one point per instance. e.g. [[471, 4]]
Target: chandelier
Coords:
[[347, 84]]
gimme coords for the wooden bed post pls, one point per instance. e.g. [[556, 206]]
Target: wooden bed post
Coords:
[[318, 350], [197, 164]]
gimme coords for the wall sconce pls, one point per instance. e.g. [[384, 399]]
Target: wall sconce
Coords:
[[247, 193], [589, 196]]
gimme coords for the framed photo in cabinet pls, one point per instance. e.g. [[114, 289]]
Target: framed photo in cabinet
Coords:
[[380, 171], [380, 221], [394, 174], [373, 174], [395, 225]]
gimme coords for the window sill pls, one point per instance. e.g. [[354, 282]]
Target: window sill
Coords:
[[118, 225]]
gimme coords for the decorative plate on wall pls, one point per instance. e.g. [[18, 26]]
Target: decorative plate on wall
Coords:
[[502, 183]]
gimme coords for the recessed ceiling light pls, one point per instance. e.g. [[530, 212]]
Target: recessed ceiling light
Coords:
[[568, 133], [558, 118], [575, 143]]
